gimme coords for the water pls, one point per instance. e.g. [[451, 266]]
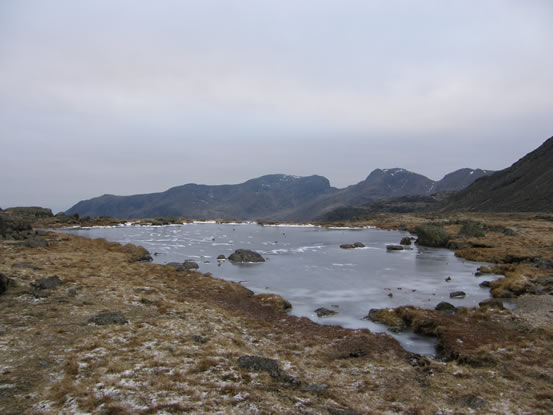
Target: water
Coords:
[[306, 266]]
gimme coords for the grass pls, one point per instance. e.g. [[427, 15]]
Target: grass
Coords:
[[179, 353]]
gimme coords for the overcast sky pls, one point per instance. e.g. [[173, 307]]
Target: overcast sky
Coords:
[[128, 97]]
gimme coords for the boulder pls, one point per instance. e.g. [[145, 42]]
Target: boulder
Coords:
[[406, 240], [186, 266], [221, 258], [325, 312], [245, 255], [394, 248], [4, 282], [352, 246], [106, 318], [457, 294], [260, 364], [485, 284], [445, 307], [48, 283]]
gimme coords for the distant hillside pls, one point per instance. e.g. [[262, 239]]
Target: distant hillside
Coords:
[[255, 199], [526, 186], [273, 197]]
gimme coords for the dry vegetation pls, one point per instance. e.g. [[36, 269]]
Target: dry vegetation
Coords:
[[179, 351]]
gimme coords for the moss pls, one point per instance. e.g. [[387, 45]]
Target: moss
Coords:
[[432, 234], [471, 229]]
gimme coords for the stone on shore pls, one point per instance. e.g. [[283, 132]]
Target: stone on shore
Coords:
[[245, 256]]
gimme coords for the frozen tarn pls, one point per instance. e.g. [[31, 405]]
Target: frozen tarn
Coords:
[[306, 265]]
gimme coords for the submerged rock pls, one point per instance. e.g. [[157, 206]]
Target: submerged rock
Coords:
[[352, 246], [457, 294], [106, 318], [325, 312], [245, 255], [221, 258], [485, 284]]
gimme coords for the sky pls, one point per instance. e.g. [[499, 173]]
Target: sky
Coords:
[[136, 96]]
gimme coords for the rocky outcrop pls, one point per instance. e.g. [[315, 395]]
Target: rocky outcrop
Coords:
[[186, 266], [406, 240], [245, 256], [352, 246], [325, 312], [394, 248]]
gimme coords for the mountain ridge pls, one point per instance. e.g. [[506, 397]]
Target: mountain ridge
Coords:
[[270, 197]]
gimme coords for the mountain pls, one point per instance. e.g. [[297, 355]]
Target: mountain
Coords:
[[382, 184], [526, 186], [459, 179], [255, 199], [274, 197]]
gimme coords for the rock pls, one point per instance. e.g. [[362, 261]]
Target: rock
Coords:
[[492, 303], [352, 246], [325, 312], [47, 283], [314, 388], [245, 255], [485, 284], [4, 282], [260, 364], [445, 307], [221, 258], [106, 318], [199, 339], [190, 265], [341, 411], [448, 279], [471, 401], [186, 266], [542, 263], [406, 240], [35, 243], [457, 294], [394, 248]]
